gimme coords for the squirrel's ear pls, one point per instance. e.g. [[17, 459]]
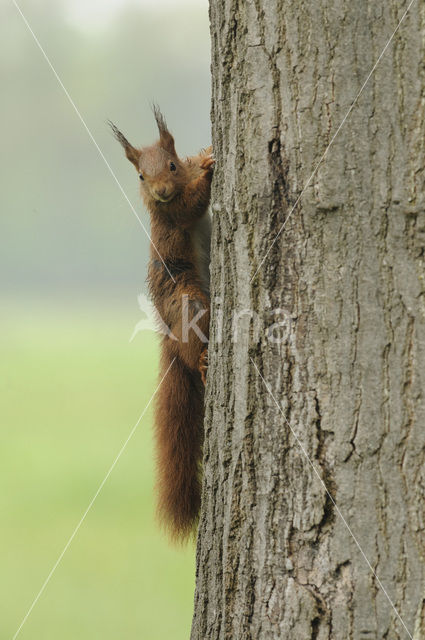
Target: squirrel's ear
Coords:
[[132, 154], [165, 137]]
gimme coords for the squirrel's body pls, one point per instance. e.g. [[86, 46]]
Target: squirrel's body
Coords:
[[201, 240], [176, 193]]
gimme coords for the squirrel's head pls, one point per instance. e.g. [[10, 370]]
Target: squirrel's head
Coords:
[[161, 172]]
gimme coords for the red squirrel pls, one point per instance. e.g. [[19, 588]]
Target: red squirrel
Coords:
[[176, 193]]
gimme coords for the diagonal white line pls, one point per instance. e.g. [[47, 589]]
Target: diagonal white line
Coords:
[[53, 569], [90, 134], [313, 466], [332, 139]]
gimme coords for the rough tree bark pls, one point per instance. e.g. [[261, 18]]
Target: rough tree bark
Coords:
[[275, 559]]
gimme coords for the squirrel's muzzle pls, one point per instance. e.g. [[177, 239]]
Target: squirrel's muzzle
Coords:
[[162, 194]]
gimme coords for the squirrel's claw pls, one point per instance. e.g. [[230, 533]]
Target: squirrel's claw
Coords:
[[203, 365], [208, 163]]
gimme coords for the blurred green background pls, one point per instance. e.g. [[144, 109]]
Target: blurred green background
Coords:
[[72, 263]]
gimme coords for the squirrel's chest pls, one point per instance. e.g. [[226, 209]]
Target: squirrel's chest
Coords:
[[182, 268], [180, 255], [201, 240]]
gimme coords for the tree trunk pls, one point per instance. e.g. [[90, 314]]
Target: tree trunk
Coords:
[[334, 394]]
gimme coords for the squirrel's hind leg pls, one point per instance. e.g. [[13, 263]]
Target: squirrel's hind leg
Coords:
[[203, 365]]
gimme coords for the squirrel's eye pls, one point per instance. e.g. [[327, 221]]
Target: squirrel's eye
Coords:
[[172, 166], [141, 176]]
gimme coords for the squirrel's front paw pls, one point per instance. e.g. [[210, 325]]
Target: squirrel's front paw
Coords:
[[208, 163]]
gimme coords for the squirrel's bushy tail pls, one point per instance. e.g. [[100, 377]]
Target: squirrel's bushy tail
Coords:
[[179, 434]]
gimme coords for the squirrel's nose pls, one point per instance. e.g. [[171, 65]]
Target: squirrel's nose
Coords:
[[161, 194]]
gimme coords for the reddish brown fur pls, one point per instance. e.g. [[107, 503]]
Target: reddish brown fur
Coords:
[[177, 201]]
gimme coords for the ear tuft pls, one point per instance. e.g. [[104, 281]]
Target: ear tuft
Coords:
[[131, 152], [160, 120], [165, 137]]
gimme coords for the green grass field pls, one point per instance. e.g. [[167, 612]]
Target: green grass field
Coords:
[[72, 387]]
